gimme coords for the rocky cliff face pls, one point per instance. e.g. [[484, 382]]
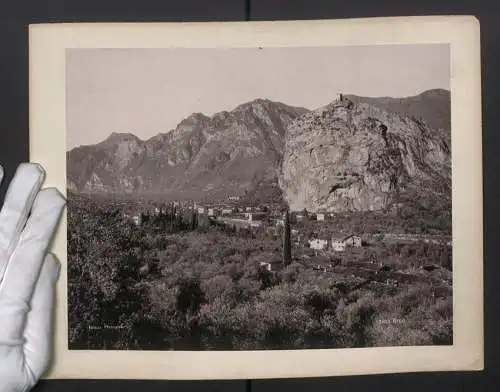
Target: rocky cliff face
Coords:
[[231, 152], [350, 156]]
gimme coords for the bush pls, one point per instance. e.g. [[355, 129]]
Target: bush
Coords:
[[356, 320]]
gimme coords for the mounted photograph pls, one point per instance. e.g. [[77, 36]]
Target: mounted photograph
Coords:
[[263, 200]]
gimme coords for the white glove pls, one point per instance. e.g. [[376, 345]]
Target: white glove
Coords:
[[28, 275]]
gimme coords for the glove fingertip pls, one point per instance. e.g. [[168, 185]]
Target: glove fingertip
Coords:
[[28, 167], [51, 196]]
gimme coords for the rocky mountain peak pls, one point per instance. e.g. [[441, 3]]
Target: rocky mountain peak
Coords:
[[350, 156], [231, 151], [117, 138], [195, 118], [255, 103]]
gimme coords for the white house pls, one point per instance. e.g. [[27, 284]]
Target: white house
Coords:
[[320, 216], [353, 240], [227, 211], [338, 245], [267, 266], [137, 220], [201, 210], [318, 244]]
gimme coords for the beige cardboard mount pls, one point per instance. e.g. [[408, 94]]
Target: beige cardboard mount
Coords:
[[48, 44]]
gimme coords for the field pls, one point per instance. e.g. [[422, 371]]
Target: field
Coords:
[[173, 285]]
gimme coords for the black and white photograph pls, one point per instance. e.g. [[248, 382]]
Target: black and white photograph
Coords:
[[260, 198]]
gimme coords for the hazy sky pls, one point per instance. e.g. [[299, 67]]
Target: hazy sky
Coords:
[[148, 91]]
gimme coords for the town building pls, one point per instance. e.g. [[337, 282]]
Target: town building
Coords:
[[266, 265], [253, 215], [318, 244], [340, 244], [213, 211], [353, 241], [136, 219]]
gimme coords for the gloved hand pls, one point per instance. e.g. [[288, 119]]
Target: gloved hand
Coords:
[[28, 275]]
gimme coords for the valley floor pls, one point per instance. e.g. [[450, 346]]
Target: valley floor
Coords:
[[181, 288]]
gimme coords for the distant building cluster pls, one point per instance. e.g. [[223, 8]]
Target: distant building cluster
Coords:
[[234, 212]]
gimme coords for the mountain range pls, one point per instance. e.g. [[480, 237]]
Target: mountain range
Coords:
[[360, 153]]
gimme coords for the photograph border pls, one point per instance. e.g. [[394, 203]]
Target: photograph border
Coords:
[[48, 147]]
